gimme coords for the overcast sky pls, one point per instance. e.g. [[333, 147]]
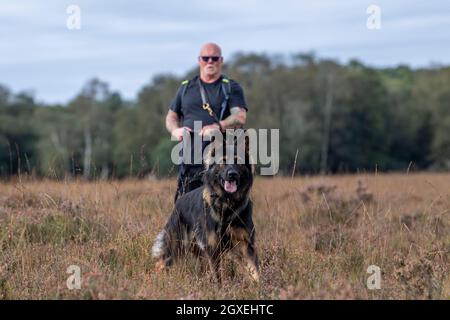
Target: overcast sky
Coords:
[[127, 42]]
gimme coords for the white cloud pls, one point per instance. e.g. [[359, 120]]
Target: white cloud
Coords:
[[125, 43]]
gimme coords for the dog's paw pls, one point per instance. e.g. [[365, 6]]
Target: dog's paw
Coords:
[[159, 267]]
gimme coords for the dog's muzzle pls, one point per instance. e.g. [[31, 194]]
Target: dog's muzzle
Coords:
[[231, 181]]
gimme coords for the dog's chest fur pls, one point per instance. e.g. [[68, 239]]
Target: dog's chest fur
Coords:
[[223, 220]]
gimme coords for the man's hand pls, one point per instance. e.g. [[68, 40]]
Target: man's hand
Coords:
[[208, 131], [178, 133]]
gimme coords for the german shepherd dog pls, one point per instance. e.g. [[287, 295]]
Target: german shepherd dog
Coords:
[[215, 218]]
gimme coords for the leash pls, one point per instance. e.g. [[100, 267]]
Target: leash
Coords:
[[205, 105]]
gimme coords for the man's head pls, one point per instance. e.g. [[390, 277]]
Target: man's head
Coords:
[[210, 61]]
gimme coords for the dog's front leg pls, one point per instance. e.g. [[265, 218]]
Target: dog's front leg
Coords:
[[246, 255], [200, 262], [244, 248], [214, 262], [251, 259]]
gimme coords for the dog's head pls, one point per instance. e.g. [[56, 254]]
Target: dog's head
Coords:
[[229, 169]]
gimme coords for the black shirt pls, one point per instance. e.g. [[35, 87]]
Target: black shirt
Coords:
[[189, 106]]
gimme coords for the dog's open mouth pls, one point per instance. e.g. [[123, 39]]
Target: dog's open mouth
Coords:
[[230, 186]]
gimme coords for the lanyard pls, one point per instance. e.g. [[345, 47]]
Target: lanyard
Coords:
[[205, 105]]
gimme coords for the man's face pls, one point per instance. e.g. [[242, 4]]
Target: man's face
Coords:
[[210, 68]]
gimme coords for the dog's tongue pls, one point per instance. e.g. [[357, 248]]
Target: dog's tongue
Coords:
[[230, 186]]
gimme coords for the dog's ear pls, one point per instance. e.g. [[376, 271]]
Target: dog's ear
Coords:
[[213, 152], [243, 142], [249, 156], [209, 156], [250, 161]]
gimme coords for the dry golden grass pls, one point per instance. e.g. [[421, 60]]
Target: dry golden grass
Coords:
[[315, 238]]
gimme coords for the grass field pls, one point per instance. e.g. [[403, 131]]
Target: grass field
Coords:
[[315, 237]]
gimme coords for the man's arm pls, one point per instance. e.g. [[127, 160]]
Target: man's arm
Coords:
[[235, 120], [173, 125], [172, 121]]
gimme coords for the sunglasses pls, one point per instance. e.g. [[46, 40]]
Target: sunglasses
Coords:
[[213, 58]]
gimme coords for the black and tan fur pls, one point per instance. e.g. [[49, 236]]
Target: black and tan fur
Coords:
[[209, 221]]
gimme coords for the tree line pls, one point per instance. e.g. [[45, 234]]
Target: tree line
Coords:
[[333, 118]]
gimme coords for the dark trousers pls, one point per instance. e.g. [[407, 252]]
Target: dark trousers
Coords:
[[189, 178]]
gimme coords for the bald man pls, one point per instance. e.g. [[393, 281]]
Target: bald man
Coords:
[[221, 106]]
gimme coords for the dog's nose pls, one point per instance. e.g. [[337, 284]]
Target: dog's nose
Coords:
[[232, 175]]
